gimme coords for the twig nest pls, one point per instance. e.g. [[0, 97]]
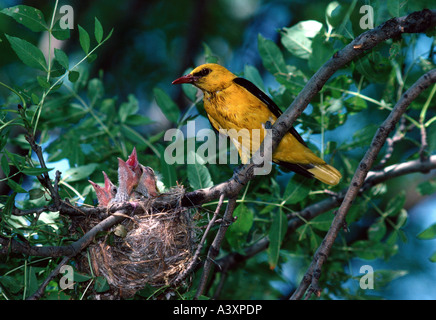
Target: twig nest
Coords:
[[147, 249]]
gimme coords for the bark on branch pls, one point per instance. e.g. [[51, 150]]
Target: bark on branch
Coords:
[[310, 280]]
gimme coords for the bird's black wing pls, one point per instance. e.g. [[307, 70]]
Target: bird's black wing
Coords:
[[302, 169], [250, 87]]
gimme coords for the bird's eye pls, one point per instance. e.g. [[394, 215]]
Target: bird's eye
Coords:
[[202, 72]]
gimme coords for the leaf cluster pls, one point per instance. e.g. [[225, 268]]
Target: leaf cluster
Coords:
[[78, 122]]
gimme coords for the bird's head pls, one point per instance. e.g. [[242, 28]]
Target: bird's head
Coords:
[[210, 77]]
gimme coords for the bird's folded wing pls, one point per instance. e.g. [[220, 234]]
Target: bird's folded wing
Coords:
[[250, 87]]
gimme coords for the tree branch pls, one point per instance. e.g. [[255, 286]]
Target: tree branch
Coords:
[[366, 163], [216, 245], [234, 259], [13, 246]]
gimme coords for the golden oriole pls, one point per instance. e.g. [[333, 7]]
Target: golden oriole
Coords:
[[235, 103]]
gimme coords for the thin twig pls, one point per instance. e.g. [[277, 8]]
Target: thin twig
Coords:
[[423, 153], [216, 245], [398, 136]]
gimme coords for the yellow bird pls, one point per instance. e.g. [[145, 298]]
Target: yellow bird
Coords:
[[235, 103]]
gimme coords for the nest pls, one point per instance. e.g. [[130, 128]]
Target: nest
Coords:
[[151, 248]]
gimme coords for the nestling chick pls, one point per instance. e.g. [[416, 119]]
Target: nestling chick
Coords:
[[147, 183], [127, 182], [104, 194]]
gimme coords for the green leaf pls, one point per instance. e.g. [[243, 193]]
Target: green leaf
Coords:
[[322, 51], [81, 277], [27, 16], [199, 176], [297, 39], [238, 230], [28, 53], [396, 8], [385, 277], [98, 30], [80, 172], [101, 284], [109, 35], [271, 55], [396, 204], [334, 13], [59, 33], [276, 235], [62, 58], [84, 39], [429, 233], [73, 76], [4, 165], [15, 186], [11, 284], [295, 192], [91, 58], [209, 56], [401, 219], [43, 82], [322, 222], [95, 90], [35, 171], [252, 74], [138, 120], [128, 108], [167, 105], [338, 16], [364, 250], [427, 188], [189, 90], [134, 136], [377, 230], [16, 159], [35, 194], [32, 284], [35, 98], [355, 104], [168, 171], [57, 69], [433, 257], [374, 67]]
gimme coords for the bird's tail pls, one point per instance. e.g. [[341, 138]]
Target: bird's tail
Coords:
[[326, 173]]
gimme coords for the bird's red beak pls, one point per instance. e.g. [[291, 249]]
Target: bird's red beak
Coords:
[[189, 78], [132, 161], [108, 185]]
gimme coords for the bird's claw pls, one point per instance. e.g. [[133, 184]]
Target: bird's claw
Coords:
[[268, 125]]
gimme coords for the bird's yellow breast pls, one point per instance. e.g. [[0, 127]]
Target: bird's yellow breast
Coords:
[[236, 108]]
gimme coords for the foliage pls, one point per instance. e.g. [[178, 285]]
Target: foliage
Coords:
[[77, 119]]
